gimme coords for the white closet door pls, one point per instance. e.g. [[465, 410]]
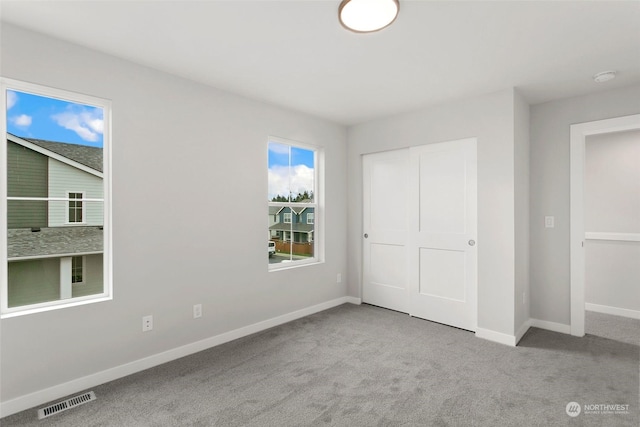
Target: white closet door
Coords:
[[443, 229], [385, 222], [419, 236]]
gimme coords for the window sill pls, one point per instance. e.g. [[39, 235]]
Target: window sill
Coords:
[[293, 264], [52, 306]]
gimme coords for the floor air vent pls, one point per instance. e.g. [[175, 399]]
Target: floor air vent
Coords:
[[66, 404]]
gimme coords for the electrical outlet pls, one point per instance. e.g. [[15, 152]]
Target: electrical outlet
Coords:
[[339, 278], [549, 222], [147, 323], [197, 311]]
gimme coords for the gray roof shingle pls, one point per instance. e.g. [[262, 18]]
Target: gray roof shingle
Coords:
[[88, 156], [22, 242], [298, 228]]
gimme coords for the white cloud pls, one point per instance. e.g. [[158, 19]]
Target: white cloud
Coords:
[[12, 98], [96, 124], [88, 124], [280, 182], [22, 120], [276, 148]]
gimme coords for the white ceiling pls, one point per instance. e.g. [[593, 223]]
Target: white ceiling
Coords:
[[295, 53]]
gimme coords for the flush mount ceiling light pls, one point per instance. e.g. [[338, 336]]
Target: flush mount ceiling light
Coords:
[[604, 76], [366, 16]]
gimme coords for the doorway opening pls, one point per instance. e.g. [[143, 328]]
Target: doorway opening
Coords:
[[579, 134]]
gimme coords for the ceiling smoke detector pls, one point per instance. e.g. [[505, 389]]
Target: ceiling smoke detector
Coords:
[[604, 76]]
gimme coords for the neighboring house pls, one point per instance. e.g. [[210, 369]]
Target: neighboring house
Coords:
[[294, 224], [273, 220], [54, 246]]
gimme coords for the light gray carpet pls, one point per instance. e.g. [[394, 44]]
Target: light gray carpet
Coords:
[[367, 366]]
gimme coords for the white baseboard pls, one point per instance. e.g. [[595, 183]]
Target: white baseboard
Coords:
[[551, 326], [523, 330], [606, 309], [61, 390], [498, 337], [513, 340], [354, 300]]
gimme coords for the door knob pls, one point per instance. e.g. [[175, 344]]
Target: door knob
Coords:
[[472, 242], [366, 235]]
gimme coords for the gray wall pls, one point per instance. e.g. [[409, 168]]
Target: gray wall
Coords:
[[550, 125], [612, 204], [173, 141], [490, 118]]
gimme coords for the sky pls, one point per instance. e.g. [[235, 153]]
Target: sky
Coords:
[[39, 117], [295, 177]]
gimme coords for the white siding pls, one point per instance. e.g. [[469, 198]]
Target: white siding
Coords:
[[64, 179]]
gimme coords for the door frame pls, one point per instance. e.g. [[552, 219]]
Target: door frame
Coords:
[[579, 134]]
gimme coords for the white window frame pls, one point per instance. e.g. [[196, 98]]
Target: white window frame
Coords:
[[107, 294], [317, 205], [311, 218], [82, 208], [287, 217]]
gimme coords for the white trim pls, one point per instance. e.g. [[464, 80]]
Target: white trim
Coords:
[[27, 258], [64, 283], [579, 134], [284, 217], [56, 156], [551, 326], [317, 205], [522, 330], [354, 300], [514, 340], [58, 391], [498, 337], [55, 305], [4, 265], [288, 265], [616, 311], [618, 237], [54, 199]]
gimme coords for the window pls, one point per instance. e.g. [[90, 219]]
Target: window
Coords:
[[54, 199], [77, 268], [294, 189], [75, 207]]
